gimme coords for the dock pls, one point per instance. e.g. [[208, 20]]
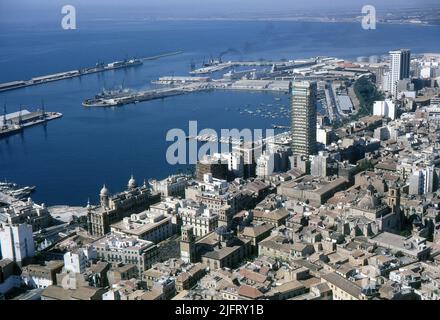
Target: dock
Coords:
[[281, 138], [215, 139], [213, 68], [182, 85], [171, 80], [15, 122], [146, 95], [276, 65], [99, 67]]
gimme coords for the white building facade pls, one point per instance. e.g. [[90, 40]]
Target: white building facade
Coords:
[[265, 165], [17, 242], [385, 108]]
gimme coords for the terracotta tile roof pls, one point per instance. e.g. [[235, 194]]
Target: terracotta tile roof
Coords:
[[254, 276], [249, 292]]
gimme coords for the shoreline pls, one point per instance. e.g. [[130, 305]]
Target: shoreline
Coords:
[[256, 19]]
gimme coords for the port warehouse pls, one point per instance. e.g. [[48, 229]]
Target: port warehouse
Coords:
[[14, 122], [22, 117]]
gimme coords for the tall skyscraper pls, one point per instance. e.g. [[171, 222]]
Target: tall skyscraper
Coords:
[[304, 118], [400, 62]]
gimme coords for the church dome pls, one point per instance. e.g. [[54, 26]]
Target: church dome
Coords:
[[132, 183], [104, 191], [369, 201]]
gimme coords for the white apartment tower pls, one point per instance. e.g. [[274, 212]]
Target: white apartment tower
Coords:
[[422, 181], [385, 108]]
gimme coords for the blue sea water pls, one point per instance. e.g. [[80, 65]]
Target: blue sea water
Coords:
[[70, 158]]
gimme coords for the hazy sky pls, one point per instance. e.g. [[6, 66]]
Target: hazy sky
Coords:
[[16, 9], [223, 3]]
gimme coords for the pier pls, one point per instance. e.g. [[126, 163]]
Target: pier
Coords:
[[277, 65], [162, 55], [213, 68], [145, 95], [15, 122], [100, 67], [281, 138], [183, 85], [215, 139]]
